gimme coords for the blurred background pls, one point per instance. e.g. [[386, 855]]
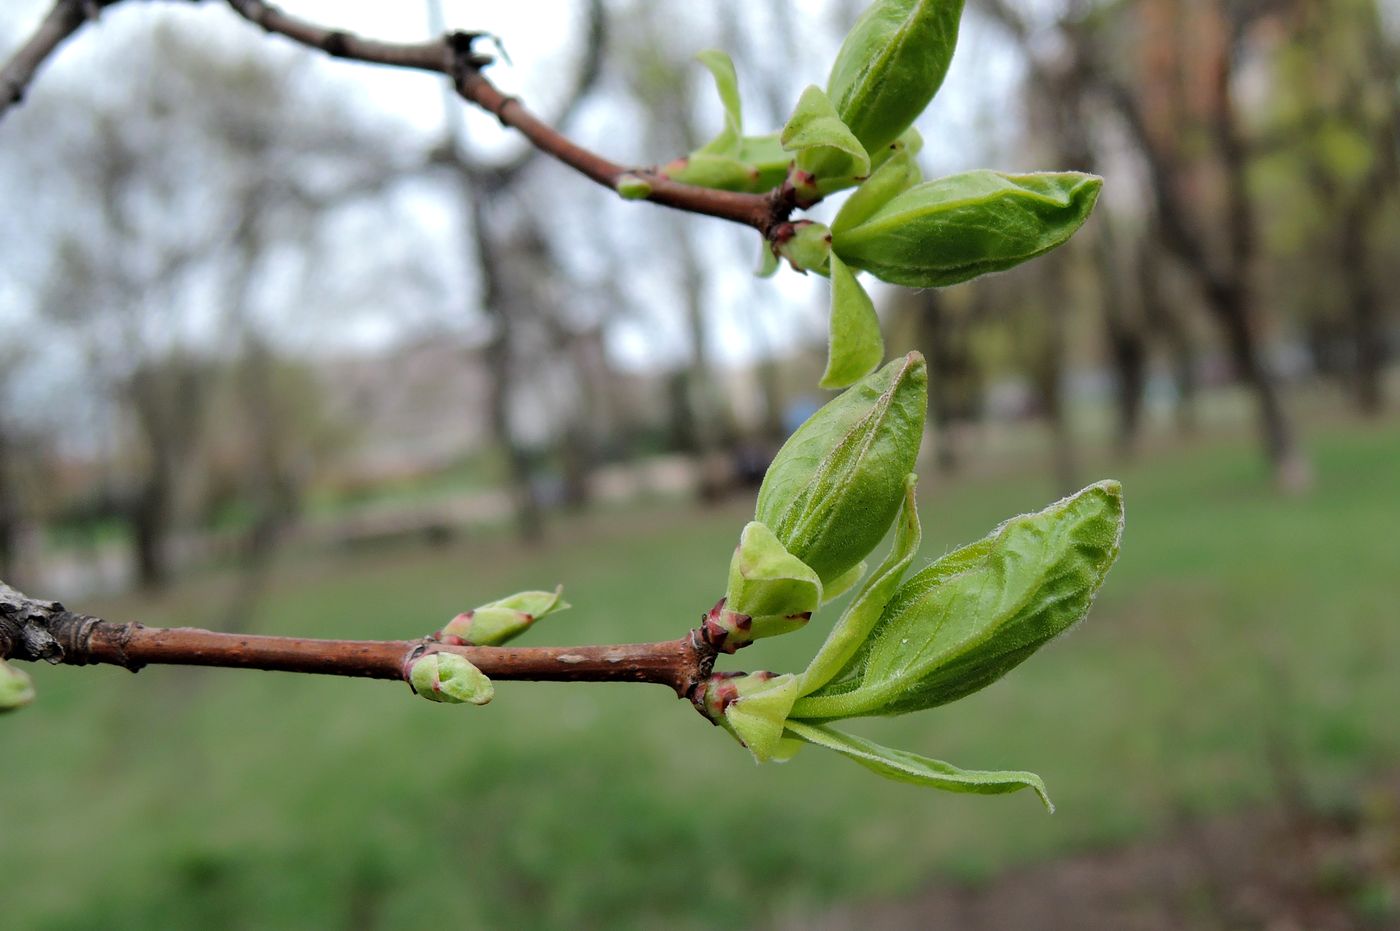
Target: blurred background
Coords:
[[298, 346]]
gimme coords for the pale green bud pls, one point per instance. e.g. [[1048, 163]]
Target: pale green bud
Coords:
[[16, 690], [447, 677]]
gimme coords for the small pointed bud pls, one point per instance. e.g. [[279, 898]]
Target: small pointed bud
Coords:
[[633, 187], [806, 245], [447, 677], [16, 690], [501, 621]]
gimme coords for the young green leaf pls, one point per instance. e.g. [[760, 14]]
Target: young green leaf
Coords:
[[891, 64], [753, 707], [825, 147], [903, 766], [501, 621], [16, 690], [898, 174], [837, 483], [956, 228], [864, 610], [764, 578], [727, 84], [972, 616], [855, 347]]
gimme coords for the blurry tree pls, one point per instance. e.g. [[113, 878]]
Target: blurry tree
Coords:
[[513, 263], [1334, 123], [160, 283]]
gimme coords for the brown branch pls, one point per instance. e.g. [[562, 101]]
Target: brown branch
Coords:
[[34, 630], [64, 18], [453, 56]]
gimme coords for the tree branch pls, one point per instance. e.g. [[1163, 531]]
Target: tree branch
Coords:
[[33, 630], [64, 18], [453, 56]]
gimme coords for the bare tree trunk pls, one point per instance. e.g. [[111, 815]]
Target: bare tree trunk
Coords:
[[9, 511], [936, 341], [1127, 342], [496, 302]]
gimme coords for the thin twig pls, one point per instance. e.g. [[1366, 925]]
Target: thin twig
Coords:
[[64, 18], [34, 630], [453, 56]]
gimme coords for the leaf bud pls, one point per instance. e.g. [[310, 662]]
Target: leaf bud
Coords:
[[891, 64], [447, 677], [16, 690], [501, 621], [806, 245], [834, 488]]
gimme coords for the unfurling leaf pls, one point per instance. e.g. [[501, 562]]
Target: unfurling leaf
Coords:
[[956, 228], [919, 770], [855, 347], [16, 690], [501, 621], [765, 579], [753, 707], [727, 85], [972, 616], [835, 486], [891, 64], [826, 149], [449, 678], [864, 610]]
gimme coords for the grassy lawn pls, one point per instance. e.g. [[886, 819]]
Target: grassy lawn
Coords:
[[1242, 640]]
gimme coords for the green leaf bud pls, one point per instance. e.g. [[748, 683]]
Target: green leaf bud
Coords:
[[972, 616], [16, 690], [835, 486], [447, 677], [956, 228], [891, 64], [502, 621], [806, 245], [855, 345], [753, 708], [633, 187]]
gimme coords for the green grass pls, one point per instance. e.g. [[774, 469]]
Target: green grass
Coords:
[[1240, 634]]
